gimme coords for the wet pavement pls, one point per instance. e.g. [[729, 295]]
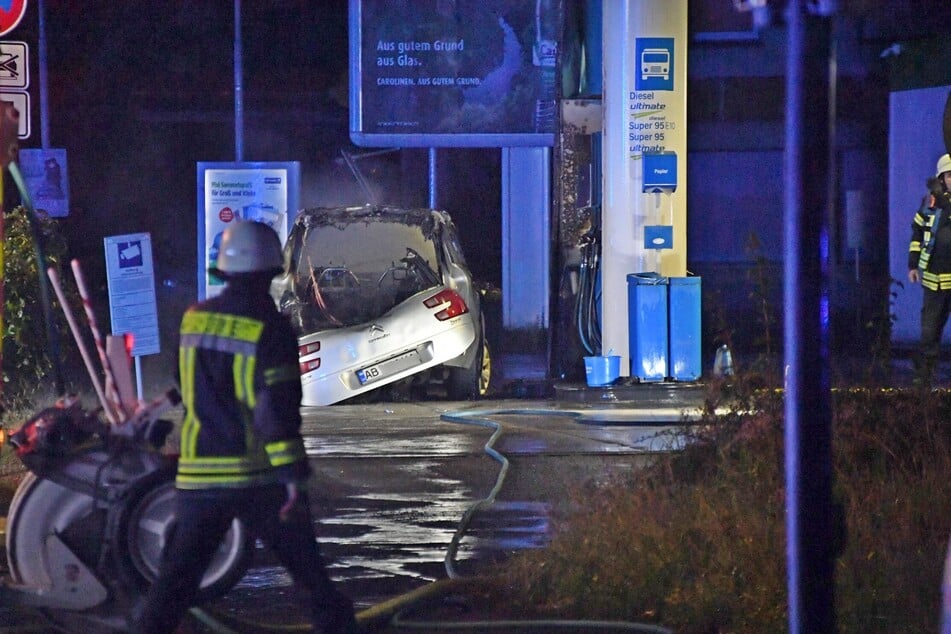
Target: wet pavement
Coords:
[[407, 494], [394, 483]]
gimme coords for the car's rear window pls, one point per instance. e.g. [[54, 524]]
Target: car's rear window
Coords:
[[352, 272]]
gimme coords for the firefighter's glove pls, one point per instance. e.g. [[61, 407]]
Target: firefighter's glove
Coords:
[[293, 496]]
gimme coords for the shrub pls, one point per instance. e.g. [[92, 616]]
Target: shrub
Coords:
[[696, 541], [26, 356]]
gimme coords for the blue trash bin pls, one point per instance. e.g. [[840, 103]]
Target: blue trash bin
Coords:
[[647, 320], [684, 328]]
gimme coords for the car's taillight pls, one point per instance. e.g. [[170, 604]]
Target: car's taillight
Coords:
[[457, 305], [306, 350]]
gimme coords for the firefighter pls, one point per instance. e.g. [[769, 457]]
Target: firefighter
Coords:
[[241, 451], [929, 262]]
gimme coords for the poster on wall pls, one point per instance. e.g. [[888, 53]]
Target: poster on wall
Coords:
[[429, 73], [46, 176], [235, 192]]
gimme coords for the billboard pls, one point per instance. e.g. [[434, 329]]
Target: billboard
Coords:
[[232, 192], [430, 73]]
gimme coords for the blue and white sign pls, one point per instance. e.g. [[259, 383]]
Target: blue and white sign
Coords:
[[660, 172], [130, 254], [654, 57], [131, 279], [47, 177], [658, 237], [14, 65]]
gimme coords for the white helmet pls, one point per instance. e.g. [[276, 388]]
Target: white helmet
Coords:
[[250, 247], [944, 165]]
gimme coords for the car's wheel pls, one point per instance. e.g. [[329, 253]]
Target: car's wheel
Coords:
[[473, 381]]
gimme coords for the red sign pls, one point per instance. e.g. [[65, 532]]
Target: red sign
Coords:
[[11, 12], [226, 215]]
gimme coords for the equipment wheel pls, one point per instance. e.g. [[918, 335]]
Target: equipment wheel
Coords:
[[41, 508], [142, 528]]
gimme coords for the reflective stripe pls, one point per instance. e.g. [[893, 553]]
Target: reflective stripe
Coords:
[[242, 373], [223, 464], [190, 424], [939, 282], [184, 481], [216, 343], [223, 333], [197, 322], [285, 452], [212, 471]]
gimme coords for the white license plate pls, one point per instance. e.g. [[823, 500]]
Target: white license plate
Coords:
[[389, 367]]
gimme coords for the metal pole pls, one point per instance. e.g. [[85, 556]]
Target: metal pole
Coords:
[[433, 180], [809, 544], [44, 100], [238, 94]]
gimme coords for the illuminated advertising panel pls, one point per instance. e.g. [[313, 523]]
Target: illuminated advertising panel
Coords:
[[430, 73], [243, 191]]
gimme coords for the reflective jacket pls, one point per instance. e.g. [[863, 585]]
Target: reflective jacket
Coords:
[[241, 390], [930, 247]]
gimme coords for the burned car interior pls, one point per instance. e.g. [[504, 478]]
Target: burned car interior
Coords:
[[361, 269]]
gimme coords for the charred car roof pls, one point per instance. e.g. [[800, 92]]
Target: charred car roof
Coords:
[[426, 219]]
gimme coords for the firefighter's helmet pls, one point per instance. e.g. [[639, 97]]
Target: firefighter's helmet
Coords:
[[250, 247], [944, 165]]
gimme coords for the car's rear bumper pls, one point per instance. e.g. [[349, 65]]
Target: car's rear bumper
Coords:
[[326, 387]]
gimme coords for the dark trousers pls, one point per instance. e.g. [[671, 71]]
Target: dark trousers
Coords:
[[201, 520], [935, 308]]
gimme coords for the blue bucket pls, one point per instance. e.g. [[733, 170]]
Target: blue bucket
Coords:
[[600, 371]]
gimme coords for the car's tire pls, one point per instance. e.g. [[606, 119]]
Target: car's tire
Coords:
[[474, 381]]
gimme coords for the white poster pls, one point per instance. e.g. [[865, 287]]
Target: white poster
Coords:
[[231, 195]]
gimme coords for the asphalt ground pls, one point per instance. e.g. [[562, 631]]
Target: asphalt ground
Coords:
[[414, 500]]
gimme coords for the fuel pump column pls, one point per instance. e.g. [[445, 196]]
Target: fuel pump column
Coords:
[[644, 115]]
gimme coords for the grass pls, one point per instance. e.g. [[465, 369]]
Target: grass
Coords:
[[696, 543]]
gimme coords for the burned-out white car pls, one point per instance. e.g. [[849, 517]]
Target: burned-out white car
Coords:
[[379, 295]]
